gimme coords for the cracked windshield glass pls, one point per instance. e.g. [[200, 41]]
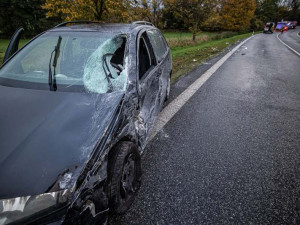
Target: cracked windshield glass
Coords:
[[71, 61]]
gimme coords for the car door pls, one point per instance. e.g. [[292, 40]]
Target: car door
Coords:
[[149, 87], [164, 60]]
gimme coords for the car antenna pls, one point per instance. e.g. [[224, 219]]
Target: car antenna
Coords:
[[52, 78]]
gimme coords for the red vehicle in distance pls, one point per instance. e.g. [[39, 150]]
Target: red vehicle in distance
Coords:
[[281, 27]]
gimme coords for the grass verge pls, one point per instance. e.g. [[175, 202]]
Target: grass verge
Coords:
[[184, 39], [185, 59]]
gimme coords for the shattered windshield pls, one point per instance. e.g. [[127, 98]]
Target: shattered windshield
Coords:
[[80, 61]]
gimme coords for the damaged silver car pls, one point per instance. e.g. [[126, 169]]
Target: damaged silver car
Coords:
[[77, 105]]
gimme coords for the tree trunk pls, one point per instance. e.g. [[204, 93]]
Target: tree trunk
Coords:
[[100, 7], [194, 36], [195, 29]]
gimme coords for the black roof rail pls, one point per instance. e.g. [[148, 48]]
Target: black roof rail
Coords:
[[142, 23], [75, 22]]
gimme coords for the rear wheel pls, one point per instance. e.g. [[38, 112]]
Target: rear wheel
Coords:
[[124, 176]]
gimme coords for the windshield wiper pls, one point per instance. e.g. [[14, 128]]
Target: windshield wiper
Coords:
[[107, 72], [52, 78]]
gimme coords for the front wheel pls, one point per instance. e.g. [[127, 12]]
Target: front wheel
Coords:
[[124, 176]]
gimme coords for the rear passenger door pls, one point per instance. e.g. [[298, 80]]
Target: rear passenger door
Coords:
[[149, 87], [164, 61]]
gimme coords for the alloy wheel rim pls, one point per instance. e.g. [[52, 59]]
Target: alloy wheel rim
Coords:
[[128, 177]]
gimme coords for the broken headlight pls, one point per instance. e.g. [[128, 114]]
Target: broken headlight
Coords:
[[21, 208]]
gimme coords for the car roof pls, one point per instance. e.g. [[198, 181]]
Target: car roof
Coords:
[[101, 27]]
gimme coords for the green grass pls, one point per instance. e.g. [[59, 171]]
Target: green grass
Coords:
[[182, 39], [174, 34], [3, 45], [186, 58], [170, 35]]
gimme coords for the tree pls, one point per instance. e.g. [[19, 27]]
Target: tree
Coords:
[[156, 11], [267, 10], [198, 12], [295, 7], [276, 10], [214, 20], [189, 14], [139, 11], [172, 16], [237, 14], [213, 23], [100, 10], [149, 10], [19, 13]]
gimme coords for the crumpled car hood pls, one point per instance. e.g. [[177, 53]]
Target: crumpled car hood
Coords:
[[43, 134]]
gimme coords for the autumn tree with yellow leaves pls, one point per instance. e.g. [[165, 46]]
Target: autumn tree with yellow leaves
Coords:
[[237, 14], [101, 10], [190, 14], [105, 10]]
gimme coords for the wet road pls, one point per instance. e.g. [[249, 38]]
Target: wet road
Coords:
[[231, 155], [292, 39]]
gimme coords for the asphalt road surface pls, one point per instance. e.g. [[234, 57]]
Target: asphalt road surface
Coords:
[[292, 39], [231, 155]]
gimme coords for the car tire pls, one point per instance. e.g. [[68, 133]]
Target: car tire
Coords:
[[124, 176], [168, 89]]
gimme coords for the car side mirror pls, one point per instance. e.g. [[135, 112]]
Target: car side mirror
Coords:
[[13, 44]]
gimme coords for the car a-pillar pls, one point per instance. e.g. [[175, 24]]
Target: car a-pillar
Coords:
[[13, 44]]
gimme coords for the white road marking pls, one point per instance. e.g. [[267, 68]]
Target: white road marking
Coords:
[[172, 108], [298, 34], [297, 53]]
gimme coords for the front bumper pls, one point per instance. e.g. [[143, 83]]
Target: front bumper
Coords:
[[32, 209]]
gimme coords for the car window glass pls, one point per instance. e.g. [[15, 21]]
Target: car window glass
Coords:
[[158, 43], [37, 56], [86, 61], [144, 57]]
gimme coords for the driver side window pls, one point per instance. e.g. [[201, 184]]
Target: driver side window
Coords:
[[145, 56]]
